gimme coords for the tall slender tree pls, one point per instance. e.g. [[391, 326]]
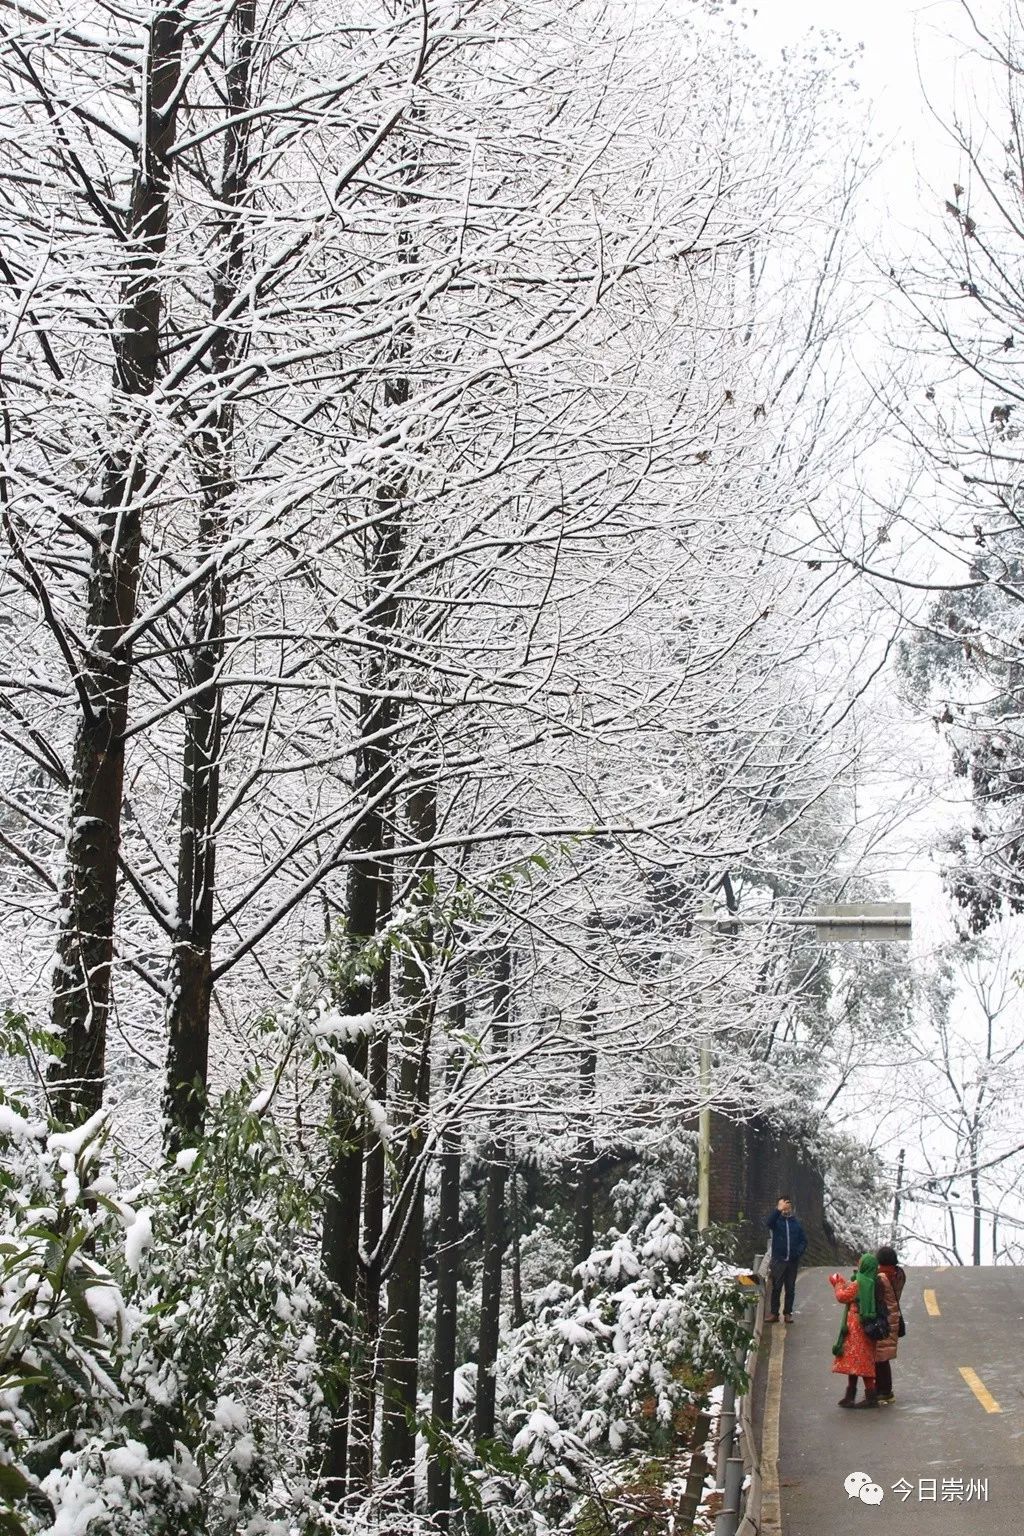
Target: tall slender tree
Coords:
[[103, 670], [442, 1406], [494, 1225], [191, 980]]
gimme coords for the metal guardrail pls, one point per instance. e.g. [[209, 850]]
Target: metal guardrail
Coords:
[[737, 1453]]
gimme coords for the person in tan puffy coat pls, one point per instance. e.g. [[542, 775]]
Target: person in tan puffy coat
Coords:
[[891, 1280]]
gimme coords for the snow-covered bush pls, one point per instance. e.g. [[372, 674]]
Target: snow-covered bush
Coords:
[[611, 1372], [664, 1172], [62, 1315], [157, 1354]]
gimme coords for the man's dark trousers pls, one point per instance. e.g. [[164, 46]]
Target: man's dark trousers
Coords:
[[783, 1272]]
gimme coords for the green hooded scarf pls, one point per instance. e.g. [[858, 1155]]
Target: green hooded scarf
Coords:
[[866, 1274]]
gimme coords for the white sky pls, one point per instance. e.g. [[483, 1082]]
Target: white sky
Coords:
[[895, 35], [912, 66]]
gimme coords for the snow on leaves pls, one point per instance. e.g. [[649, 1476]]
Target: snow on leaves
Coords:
[[604, 1371], [131, 1328]]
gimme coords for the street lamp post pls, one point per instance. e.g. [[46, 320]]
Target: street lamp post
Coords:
[[704, 1139], [865, 922]]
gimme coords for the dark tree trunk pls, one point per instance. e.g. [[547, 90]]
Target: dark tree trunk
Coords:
[[583, 1205], [368, 1283], [81, 994], [439, 1477], [953, 1243], [339, 1252], [188, 1005], [402, 1328], [494, 1223], [515, 1211], [898, 1196], [339, 1255], [401, 1336], [975, 1154], [366, 898], [690, 1498]]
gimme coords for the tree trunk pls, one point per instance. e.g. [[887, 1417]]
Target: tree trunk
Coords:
[[368, 1282], [402, 1329], [339, 1252], [188, 1004], [952, 1231], [439, 1476], [583, 1201], [518, 1310], [81, 991], [494, 1224], [690, 1498], [975, 1155], [897, 1202], [583, 1205], [365, 899]]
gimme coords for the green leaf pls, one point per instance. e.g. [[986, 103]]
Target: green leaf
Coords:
[[13, 1482]]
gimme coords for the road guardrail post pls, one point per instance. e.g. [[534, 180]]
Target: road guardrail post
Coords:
[[726, 1432]]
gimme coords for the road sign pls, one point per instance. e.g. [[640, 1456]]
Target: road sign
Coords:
[[864, 922]]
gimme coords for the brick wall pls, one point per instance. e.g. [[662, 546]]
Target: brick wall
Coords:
[[751, 1165]]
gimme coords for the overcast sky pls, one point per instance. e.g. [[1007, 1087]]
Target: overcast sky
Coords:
[[913, 64], [896, 35]]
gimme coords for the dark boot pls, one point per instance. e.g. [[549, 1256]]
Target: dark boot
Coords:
[[849, 1396], [870, 1397]]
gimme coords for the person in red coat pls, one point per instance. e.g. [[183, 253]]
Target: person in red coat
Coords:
[[854, 1352], [891, 1280]]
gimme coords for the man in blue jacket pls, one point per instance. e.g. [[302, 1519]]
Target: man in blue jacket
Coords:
[[788, 1243]]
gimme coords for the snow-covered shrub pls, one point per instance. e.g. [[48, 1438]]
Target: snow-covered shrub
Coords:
[[611, 1372], [62, 1315], [664, 1172], [220, 1280], [157, 1354]]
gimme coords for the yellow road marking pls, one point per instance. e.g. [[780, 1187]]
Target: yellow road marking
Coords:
[[931, 1304], [771, 1512], [980, 1390]]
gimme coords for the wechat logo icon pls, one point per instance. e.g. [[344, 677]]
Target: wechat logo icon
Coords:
[[859, 1485]]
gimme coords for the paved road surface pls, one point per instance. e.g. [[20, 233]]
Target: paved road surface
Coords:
[[942, 1435]]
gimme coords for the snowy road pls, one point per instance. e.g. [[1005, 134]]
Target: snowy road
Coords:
[[948, 1454]]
